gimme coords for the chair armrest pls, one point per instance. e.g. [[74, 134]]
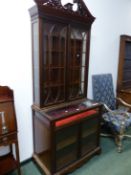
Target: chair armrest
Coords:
[[108, 109], [124, 113], [123, 102]]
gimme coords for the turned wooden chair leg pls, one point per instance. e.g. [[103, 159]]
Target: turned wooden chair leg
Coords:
[[119, 144], [120, 137]]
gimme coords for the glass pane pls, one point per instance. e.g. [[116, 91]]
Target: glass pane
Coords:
[[128, 50], [84, 42], [127, 66], [83, 59], [77, 63], [36, 62], [82, 87], [54, 38], [83, 74]]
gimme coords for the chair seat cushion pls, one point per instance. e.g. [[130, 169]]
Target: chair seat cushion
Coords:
[[115, 120]]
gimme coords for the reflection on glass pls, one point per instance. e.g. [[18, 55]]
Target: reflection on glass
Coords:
[[84, 42], [83, 74], [36, 60], [83, 59], [77, 63], [82, 87]]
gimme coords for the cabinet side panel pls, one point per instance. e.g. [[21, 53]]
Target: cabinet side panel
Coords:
[[42, 141], [35, 62], [41, 134]]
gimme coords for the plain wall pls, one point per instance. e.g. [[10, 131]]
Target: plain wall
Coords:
[[112, 20]]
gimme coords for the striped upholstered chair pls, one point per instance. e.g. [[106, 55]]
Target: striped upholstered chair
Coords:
[[117, 119]]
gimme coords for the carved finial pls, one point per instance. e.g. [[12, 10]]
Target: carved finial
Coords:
[[75, 1], [81, 9], [51, 2], [68, 6]]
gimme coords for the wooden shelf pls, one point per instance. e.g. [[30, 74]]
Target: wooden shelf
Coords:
[[54, 67], [127, 70], [45, 157], [66, 142], [65, 159], [7, 164], [89, 132], [43, 160], [54, 85], [74, 67], [127, 81], [126, 58], [76, 82]]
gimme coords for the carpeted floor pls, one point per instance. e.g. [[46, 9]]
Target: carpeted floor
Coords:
[[108, 163]]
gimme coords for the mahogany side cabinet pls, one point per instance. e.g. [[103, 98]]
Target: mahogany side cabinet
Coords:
[[8, 132], [66, 125]]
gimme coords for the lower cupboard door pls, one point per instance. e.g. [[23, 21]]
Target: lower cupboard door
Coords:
[[89, 136], [66, 146], [88, 143], [66, 156]]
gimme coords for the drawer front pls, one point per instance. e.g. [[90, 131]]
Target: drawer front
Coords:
[[8, 139]]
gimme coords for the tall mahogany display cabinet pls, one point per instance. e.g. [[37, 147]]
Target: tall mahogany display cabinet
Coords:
[[66, 124], [124, 69]]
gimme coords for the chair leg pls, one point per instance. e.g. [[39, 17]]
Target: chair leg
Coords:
[[119, 143], [120, 137]]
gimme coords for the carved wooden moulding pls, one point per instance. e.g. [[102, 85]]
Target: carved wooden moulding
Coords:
[[80, 7]]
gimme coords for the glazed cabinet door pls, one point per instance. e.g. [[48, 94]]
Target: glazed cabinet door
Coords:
[[66, 146], [54, 61], [127, 66], [77, 63], [89, 134], [124, 68]]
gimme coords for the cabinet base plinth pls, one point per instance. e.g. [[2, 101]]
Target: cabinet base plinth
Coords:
[[68, 168]]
